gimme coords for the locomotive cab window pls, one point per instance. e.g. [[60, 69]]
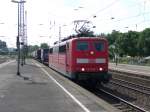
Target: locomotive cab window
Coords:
[[62, 49], [82, 46], [51, 50], [99, 46]]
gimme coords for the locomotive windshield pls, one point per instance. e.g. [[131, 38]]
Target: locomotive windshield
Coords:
[[82, 46], [99, 46], [85, 45]]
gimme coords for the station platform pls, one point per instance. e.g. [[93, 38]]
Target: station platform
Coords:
[[133, 69], [45, 91]]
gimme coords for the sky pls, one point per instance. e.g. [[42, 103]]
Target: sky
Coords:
[[47, 19]]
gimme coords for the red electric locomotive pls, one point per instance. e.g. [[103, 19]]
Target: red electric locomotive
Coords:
[[81, 58]]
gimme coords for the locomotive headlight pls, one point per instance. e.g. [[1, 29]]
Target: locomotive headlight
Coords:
[[92, 52], [82, 69], [100, 69]]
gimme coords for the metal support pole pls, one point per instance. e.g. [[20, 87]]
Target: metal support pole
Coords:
[[25, 35], [59, 33], [18, 46], [21, 35], [18, 37]]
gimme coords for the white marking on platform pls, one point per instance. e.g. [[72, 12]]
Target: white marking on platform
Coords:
[[64, 89]]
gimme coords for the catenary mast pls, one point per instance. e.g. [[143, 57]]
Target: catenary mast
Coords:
[[23, 35]]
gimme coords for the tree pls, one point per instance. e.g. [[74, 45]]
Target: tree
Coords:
[[3, 47], [128, 43], [44, 46], [32, 48], [2, 44], [114, 40], [113, 37], [124, 43], [144, 42]]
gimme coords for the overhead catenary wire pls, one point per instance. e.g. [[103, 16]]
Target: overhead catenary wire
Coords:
[[103, 9], [141, 13], [127, 26], [110, 5]]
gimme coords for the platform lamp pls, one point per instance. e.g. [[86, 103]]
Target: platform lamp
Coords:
[[18, 38]]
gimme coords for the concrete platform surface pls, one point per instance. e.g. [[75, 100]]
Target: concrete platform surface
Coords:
[[45, 91], [135, 69]]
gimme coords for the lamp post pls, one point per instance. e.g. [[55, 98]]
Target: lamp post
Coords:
[[18, 38]]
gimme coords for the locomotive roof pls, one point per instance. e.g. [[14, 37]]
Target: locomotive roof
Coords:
[[78, 38], [82, 38]]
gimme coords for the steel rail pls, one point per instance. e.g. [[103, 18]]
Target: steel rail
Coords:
[[130, 88], [134, 84], [124, 101]]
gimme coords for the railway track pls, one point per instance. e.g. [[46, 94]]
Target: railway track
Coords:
[[120, 103], [123, 102], [129, 93], [141, 98], [131, 77], [132, 85]]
